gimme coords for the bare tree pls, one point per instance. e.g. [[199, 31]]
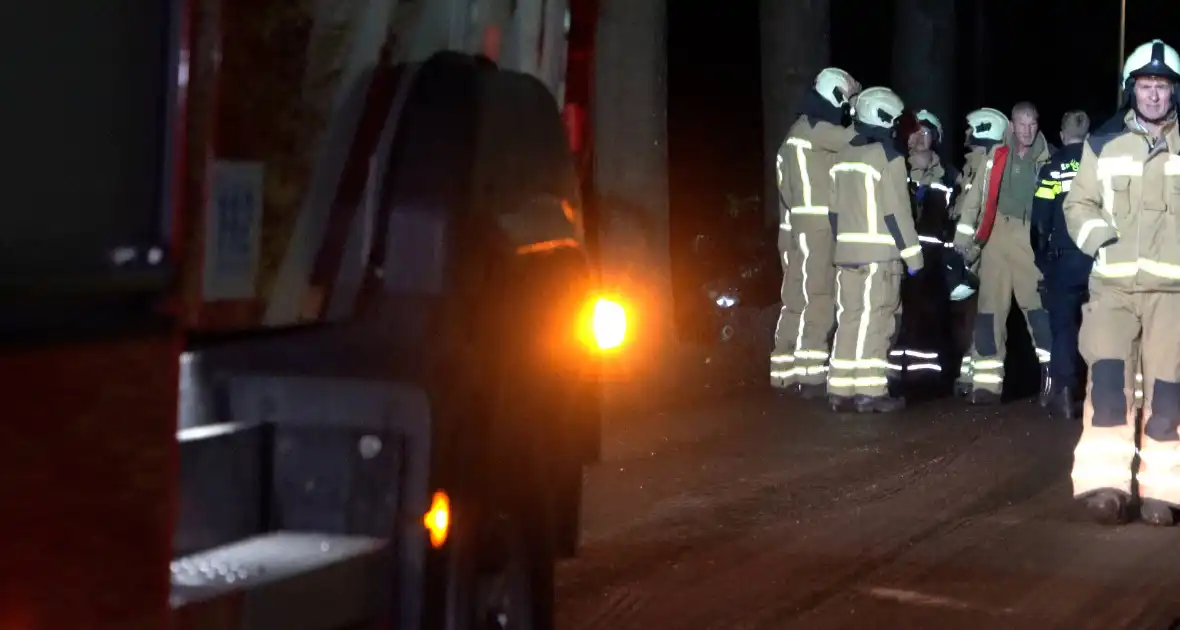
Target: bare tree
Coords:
[[924, 56], [630, 144], [796, 44]]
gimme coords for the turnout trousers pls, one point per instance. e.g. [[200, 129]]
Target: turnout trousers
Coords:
[[1007, 269], [807, 315], [1122, 334], [964, 327], [868, 299], [924, 343]]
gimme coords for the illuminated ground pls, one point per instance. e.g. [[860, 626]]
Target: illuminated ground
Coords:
[[760, 513]]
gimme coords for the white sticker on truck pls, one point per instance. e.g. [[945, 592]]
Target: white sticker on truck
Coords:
[[233, 225]]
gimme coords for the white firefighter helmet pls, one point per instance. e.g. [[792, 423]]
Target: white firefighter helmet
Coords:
[[1153, 59], [987, 124], [928, 117], [836, 86], [878, 107]]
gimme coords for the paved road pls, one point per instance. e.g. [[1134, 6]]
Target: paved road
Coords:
[[760, 513]]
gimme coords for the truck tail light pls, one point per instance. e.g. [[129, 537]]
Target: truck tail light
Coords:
[[438, 519]]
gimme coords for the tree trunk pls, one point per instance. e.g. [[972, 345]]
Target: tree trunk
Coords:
[[630, 147], [924, 57], [796, 43]]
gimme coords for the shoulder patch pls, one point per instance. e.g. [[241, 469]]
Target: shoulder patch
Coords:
[[1098, 142]]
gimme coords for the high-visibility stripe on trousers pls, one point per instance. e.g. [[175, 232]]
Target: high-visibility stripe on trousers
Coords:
[[807, 315], [1007, 268], [867, 302], [783, 372], [1130, 341]]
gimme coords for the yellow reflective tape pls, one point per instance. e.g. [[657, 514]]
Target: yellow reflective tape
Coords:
[[1046, 193]]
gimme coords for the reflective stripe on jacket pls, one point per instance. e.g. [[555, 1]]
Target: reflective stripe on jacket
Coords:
[[802, 166], [973, 162], [1124, 208], [871, 214]]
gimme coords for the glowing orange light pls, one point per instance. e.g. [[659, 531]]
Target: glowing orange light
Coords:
[[438, 519], [608, 323]]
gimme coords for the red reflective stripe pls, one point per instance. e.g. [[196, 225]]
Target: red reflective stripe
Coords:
[[988, 221], [575, 120]]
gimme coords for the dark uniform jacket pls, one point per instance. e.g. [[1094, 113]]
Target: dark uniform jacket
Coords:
[[933, 193], [1057, 256]]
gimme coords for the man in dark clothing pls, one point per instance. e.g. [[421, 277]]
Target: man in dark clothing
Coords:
[[923, 357], [1066, 269]]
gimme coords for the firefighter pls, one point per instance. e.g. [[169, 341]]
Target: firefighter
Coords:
[[799, 359], [985, 129], [1121, 209], [994, 229], [1064, 267], [875, 242], [922, 344]]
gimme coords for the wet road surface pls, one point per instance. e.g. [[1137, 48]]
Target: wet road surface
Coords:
[[763, 513]]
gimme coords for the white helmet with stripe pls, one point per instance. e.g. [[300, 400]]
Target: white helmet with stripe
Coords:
[[928, 117], [836, 86], [878, 107], [1153, 59], [987, 124]]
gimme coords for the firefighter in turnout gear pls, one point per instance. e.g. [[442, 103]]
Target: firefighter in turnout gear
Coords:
[[875, 242], [1065, 268], [985, 129], [994, 225], [799, 360], [1122, 209], [923, 343]]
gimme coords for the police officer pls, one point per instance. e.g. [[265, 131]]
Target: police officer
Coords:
[[996, 214], [1065, 268], [1122, 209], [985, 129], [875, 242], [924, 340], [799, 359]]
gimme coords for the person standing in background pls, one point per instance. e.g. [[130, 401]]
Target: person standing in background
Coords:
[[924, 349], [875, 242], [799, 360], [1065, 268], [985, 129], [994, 226]]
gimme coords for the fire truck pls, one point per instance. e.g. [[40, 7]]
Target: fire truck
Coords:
[[298, 327]]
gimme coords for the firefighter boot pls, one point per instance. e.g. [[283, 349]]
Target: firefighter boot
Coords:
[[983, 397], [879, 404], [1045, 398], [812, 391], [1155, 512], [840, 404], [963, 382], [1108, 507]]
